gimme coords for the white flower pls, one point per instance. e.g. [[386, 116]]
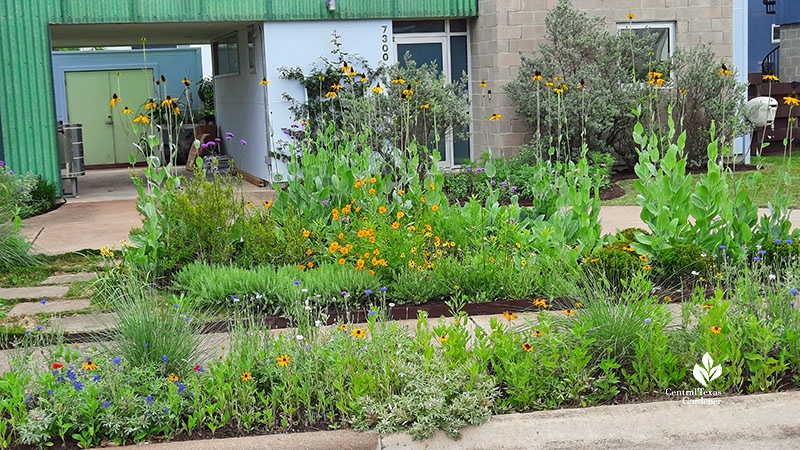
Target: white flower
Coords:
[[391, 305], [695, 273], [258, 296], [304, 290], [317, 323], [308, 308], [703, 255], [299, 337], [772, 276]]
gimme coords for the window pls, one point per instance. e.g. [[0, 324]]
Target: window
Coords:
[[226, 55], [663, 35], [251, 48], [444, 43], [776, 34]]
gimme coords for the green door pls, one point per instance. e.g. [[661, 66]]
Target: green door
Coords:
[[107, 133]]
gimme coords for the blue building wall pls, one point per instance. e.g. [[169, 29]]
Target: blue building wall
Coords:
[[174, 64], [760, 28]]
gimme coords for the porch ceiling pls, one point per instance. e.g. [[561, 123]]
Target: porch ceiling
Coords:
[[113, 34]]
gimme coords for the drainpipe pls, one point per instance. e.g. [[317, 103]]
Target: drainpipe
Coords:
[[268, 159]]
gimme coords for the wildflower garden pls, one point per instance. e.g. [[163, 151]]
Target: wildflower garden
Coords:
[[366, 225]]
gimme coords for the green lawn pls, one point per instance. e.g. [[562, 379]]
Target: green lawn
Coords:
[[771, 169]]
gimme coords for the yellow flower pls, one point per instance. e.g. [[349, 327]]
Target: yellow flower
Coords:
[[395, 224], [330, 94], [425, 106], [142, 118], [791, 101], [642, 258], [537, 76], [308, 251], [482, 84], [716, 329], [398, 80], [336, 86], [176, 110], [444, 338], [173, 377], [371, 191], [422, 199], [186, 82], [248, 204], [284, 360], [377, 89], [724, 71], [548, 83], [508, 315], [708, 306], [527, 347], [364, 78], [167, 101], [246, 376], [653, 75], [401, 192], [382, 210], [537, 333], [306, 233], [127, 111], [343, 328], [647, 267], [347, 68], [264, 81], [408, 92], [496, 117], [569, 312], [358, 333], [373, 180], [770, 77], [631, 16], [89, 365], [114, 100], [267, 203], [150, 104], [435, 208]]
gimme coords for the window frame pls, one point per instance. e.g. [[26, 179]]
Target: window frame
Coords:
[[772, 29], [670, 26], [444, 38], [215, 54], [252, 40]]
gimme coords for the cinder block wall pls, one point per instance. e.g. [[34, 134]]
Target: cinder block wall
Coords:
[[789, 59], [504, 28]]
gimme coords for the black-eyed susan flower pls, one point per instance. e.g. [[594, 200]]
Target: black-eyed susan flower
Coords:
[[708, 306], [351, 74], [330, 94], [364, 78], [724, 71], [407, 92], [267, 204], [647, 267], [377, 89], [496, 117], [482, 84], [791, 101], [114, 100], [548, 83], [537, 333], [358, 333], [246, 376], [569, 312], [343, 327], [336, 86], [425, 106], [127, 111], [150, 104], [167, 101], [176, 110], [444, 338], [581, 84], [142, 118], [284, 360], [346, 68], [770, 77], [89, 365], [186, 82], [716, 329], [527, 347], [508, 315], [398, 80], [631, 16], [642, 258], [537, 76], [264, 81], [683, 91]]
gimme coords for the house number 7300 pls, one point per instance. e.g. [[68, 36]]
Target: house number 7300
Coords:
[[385, 42]]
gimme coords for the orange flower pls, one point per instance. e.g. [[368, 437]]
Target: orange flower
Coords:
[[341, 261], [716, 329], [382, 209], [435, 208], [569, 312], [400, 214], [527, 347], [508, 315], [371, 191], [395, 224]]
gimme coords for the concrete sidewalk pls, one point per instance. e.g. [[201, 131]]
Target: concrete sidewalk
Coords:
[[766, 421]]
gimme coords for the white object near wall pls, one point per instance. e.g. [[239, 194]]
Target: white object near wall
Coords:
[[762, 111]]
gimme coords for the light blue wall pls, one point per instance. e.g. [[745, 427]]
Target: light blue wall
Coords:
[[174, 64]]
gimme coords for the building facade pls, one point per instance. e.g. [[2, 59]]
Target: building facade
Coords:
[[481, 37]]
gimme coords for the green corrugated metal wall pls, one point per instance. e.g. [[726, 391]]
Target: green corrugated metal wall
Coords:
[[26, 79]]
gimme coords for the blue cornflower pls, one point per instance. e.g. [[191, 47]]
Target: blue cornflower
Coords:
[[77, 385], [106, 404], [723, 247], [27, 332], [383, 289], [116, 360], [788, 241], [165, 410], [187, 319], [149, 399], [146, 345], [60, 379], [793, 291], [164, 358], [372, 312], [38, 328], [296, 282], [43, 301], [756, 258], [778, 241], [176, 306], [55, 372], [96, 378], [368, 291], [71, 374], [181, 387], [648, 320], [762, 252], [49, 392]]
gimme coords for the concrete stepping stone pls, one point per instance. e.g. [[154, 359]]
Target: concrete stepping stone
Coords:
[[81, 323], [69, 278], [52, 306], [34, 292]]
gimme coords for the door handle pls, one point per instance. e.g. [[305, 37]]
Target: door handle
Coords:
[[110, 121]]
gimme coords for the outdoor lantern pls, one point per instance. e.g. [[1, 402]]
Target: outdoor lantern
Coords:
[[762, 111], [331, 5], [489, 92]]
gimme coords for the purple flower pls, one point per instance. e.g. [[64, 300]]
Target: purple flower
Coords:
[[228, 134], [324, 202], [38, 328], [211, 143], [778, 241], [479, 169], [116, 360], [648, 320], [49, 392], [164, 358], [27, 332], [368, 291], [2, 163], [793, 291], [181, 387], [285, 131], [513, 188], [43, 301], [788, 241], [243, 142], [77, 385], [372, 312], [296, 282], [96, 378], [383, 289], [723, 247], [176, 306], [493, 182], [106, 404], [166, 410], [345, 219], [504, 184], [149, 399], [756, 258], [345, 294], [218, 139]]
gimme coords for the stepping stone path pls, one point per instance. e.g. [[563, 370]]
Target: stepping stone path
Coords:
[[69, 278], [34, 292], [51, 306], [81, 323]]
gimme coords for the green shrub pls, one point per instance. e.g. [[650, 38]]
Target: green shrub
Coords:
[[418, 286], [616, 262], [628, 235], [674, 265], [266, 241], [780, 251], [42, 197]]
